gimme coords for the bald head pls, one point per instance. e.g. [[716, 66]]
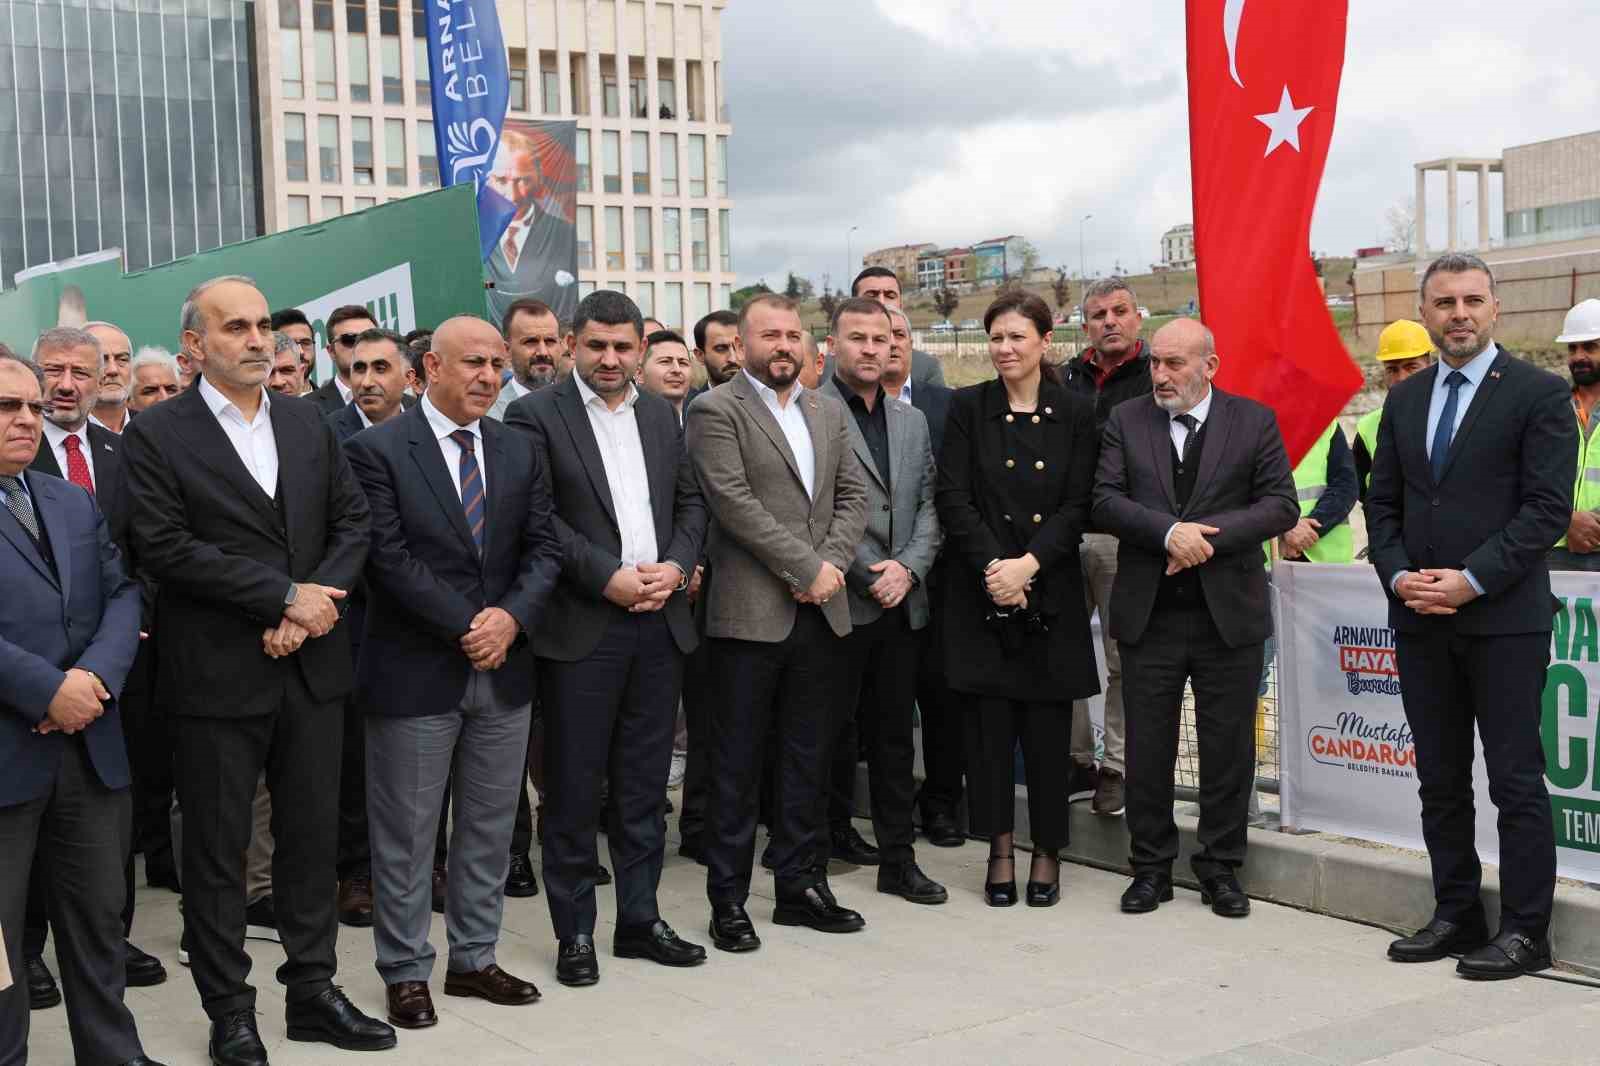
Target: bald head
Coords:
[[1183, 360], [464, 368]]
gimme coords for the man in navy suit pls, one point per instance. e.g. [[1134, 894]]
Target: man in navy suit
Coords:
[[69, 629]]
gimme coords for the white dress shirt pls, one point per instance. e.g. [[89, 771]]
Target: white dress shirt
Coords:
[[904, 395], [254, 440], [345, 391], [1180, 433], [622, 453], [442, 427], [795, 431], [58, 447]]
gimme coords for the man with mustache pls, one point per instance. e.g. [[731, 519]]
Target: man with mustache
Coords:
[[533, 335], [1581, 334], [287, 378], [111, 405], [155, 378], [714, 348]]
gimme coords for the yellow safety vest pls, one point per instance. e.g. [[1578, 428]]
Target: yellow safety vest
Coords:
[[1338, 544], [1586, 488], [1367, 430]]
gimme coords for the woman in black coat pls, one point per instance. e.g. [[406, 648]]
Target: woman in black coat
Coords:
[[1015, 475]]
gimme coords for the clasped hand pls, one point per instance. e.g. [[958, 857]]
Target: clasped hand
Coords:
[[1187, 545], [826, 585], [315, 608], [893, 584], [1435, 591], [488, 638], [1301, 539], [644, 587], [1008, 581], [76, 704]]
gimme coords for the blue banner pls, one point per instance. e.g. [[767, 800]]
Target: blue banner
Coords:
[[471, 85]]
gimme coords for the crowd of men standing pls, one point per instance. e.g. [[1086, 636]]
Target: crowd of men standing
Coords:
[[341, 625]]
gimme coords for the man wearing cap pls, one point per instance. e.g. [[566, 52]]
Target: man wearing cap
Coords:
[[1403, 349], [1581, 334]]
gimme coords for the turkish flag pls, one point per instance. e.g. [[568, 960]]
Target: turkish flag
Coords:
[[1263, 87]]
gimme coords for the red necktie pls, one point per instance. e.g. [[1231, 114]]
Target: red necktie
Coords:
[[77, 465], [511, 246]]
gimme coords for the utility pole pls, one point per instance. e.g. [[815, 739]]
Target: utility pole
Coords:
[[849, 259]]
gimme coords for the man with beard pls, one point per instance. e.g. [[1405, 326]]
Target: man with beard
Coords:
[[1471, 486], [286, 378], [714, 349], [533, 334], [111, 406], [1581, 334], [345, 324]]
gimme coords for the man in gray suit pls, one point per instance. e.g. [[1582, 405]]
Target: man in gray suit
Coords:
[[780, 478], [888, 603]]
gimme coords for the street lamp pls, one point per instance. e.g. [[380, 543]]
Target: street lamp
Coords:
[[1083, 272], [849, 259]]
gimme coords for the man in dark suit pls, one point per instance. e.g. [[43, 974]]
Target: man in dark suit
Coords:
[[1471, 485], [1192, 482], [787, 493], [69, 629], [527, 256], [464, 557], [345, 324], [611, 648], [78, 449], [246, 514]]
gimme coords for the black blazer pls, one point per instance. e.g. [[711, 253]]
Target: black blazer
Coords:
[[425, 578], [1504, 500], [987, 510], [327, 397], [934, 403], [1244, 487], [110, 488], [224, 553], [346, 422], [591, 543]]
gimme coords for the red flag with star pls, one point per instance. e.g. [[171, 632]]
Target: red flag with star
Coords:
[[1263, 88]]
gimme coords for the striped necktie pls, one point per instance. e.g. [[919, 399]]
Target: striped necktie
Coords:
[[471, 485]]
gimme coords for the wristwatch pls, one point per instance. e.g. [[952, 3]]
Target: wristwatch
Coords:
[[290, 596]]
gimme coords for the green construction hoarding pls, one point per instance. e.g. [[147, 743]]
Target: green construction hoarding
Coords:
[[411, 262]]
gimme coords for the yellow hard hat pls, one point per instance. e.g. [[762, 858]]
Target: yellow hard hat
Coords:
[[1403, 339]]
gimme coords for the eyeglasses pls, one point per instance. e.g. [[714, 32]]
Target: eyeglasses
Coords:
[[348, 340], [1586, 347], [307, 344], [10, 405]]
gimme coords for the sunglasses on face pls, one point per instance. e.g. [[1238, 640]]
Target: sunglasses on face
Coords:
[[10, 405], [1586, 347], [347, 340]]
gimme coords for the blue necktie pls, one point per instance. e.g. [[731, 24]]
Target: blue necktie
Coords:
[[1447, 425], [471, 486]]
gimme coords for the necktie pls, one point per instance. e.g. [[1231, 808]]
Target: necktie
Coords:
[[18, 504], [77, 465], [1191, 426], [471, 486], [510, 246], [1447, 425]]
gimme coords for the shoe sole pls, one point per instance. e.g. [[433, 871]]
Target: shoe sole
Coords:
[[521, 893], [469, 993], [44, 1004], [1164, 897], [581, 982], [398, 1024], [317, 1036], [780, 917], [631, 953], [1206, 899], [1440, 957], [1477, 975], [946, 842], [1051, 902], [1097, 812], [148, 981], [927, 901]]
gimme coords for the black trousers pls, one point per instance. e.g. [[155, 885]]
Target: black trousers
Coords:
[[219, 760], [1043, 730], [763, 689], [944, 741], [1450, 684], [610, 715], [147, 729], [697, 695], [79, 835], [354, 847], [1182, 644], [876, 703]]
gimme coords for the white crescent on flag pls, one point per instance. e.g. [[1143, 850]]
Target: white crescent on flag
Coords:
[[1232, 13]]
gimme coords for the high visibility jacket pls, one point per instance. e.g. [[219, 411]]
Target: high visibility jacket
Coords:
[[1586, 488], [1310, 481], [1367, 430]]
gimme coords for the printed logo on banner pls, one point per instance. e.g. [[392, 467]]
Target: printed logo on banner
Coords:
[[387, 295], [1365, 656], [1366, 659], [1570, 735]]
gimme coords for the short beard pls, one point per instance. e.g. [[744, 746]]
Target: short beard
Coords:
[[1184, 401], [114, 396], [1585, 376], [723, 376], [539, 376], [1462, 351]]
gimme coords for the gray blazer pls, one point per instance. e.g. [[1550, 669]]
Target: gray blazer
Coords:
[[768, 539], [904, 528]]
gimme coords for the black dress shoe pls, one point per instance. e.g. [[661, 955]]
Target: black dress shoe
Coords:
[[941, 829], [1148, 891], [907, 881], [143, 969], [330, 1018], [815, 908], [235, 1042], [602, 876], [658, 943], [520, 880], [732, 929], [1225, 896], [410, 1005], [42, 991], [1441, 938], [847, 845], [1510, 954], [576, 965]]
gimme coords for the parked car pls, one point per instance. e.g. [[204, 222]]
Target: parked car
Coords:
[[972, 323], [946, 326]]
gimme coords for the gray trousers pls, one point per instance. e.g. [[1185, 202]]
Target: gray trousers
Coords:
[[479, 746], [1098, 558]]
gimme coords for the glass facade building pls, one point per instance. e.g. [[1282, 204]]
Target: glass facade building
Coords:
[[125, 124]]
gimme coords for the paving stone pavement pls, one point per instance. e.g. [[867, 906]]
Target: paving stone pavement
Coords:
[[957, 984]]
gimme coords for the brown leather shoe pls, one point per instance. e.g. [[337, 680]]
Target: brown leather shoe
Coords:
[[491, 983], [355, 901], [410, 1005]]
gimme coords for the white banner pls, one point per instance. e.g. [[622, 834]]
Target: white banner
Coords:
[[1347, 762], [387, 295]]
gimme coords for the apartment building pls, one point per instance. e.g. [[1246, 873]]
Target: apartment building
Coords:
[[346, 121]]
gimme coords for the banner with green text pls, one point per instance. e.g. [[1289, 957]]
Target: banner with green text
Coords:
[[411, 262], [1348, 765]]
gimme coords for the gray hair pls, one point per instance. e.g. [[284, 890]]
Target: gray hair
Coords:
[[9, 356], [1099, 290], [897, 311], [61, 338], [1454, 263], [150, 355], [282, 342], [189, 320]]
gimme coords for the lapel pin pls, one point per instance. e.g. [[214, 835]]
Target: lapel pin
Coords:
[[1494, 374]]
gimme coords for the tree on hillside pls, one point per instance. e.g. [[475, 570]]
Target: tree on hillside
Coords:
[[828, 301], [798, 288], [1400, 226], [1030, 260], [739, 297], [945, 302], [1061, 286]]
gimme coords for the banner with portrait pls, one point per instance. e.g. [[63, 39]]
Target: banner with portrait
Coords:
[[536, 170]]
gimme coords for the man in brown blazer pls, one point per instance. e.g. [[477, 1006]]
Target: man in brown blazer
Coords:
[[789, 499]]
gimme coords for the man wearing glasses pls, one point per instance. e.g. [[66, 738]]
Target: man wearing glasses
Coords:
[[344, 326], [293, 323]]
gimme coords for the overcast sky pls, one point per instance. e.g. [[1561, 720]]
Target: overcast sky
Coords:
[[952, 121]]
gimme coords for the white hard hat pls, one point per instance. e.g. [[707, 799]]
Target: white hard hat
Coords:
[[1582, 324]]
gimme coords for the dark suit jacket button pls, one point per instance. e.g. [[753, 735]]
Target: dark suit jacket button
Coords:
[[885, 507], [1436, 501]]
